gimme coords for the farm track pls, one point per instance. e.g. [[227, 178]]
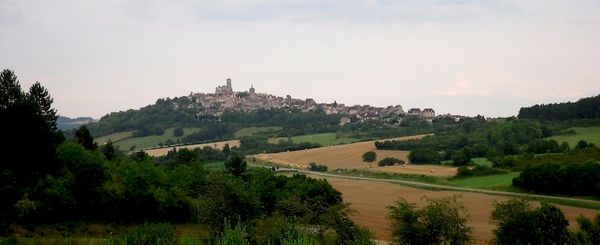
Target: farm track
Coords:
[[440, 187]]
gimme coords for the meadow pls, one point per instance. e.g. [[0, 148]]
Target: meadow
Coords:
[[151, 140], [589, 134], [485, 182], [249, 131]]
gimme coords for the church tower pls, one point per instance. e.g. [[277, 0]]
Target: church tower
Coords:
[[229, 83]]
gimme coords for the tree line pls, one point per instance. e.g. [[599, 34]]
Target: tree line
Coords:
[[584, 108]]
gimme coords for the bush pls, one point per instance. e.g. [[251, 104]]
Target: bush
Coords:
[[465, 171], [422, 156], [317, 167], [178, 132], [390, 161], [440, 221], [519, 223], [149, 234]]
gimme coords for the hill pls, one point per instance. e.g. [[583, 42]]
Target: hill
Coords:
[[66, 123]]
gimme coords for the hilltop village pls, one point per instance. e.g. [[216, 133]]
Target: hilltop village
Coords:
[[225, 99]]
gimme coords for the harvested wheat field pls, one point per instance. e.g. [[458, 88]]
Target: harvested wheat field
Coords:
[[349, 156], [217, 145], [370, 199]]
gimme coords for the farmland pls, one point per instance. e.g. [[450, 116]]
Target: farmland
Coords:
[[217, 145], [349, 156], [589, 134], [371, 198]]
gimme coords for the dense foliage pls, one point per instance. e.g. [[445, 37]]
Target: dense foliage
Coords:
[[29, 142], [424, 156], [519, 223], [440, 221], [466, 171], [585, 108], [571, 179], [390, 161]]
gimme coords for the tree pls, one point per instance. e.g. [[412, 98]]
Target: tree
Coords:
[[236, 165], [178, 132], [369, 157], [109, 150], [440, 221], [544, 225], [28, 119], [10, 89], [589, 230], [84, 138]]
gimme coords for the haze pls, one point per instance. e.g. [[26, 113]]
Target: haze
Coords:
[[459, 57]]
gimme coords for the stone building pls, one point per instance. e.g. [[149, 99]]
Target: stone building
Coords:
[[428, 113], [225, 89]]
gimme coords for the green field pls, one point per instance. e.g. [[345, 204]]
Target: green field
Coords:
[[153, 140], [589, 134], [477, 161], [323, 139], [249, 131], [116, 137], [487, 181]]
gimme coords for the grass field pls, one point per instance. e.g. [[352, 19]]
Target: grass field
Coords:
[[482, 161], [589, 134], [116, 137], [249, 131], [487, 181], [323, 139], [153, 140]]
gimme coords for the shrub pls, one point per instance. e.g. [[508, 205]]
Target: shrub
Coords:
[[421, 156], [317, 167], [149, 234], [390, 161], [440, 221], [465, 171]]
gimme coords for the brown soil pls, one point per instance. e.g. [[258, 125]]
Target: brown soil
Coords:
[[370, 199]]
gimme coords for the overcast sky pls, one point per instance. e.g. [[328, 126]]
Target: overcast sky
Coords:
[[457, 56]]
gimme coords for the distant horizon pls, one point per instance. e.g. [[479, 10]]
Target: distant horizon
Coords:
[[463, 57], [404, 107]]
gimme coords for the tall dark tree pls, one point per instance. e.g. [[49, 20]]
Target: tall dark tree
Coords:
[[108, 150], [84, 137], [29, 139], [40, 97], [236, 165], [10, 89]]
